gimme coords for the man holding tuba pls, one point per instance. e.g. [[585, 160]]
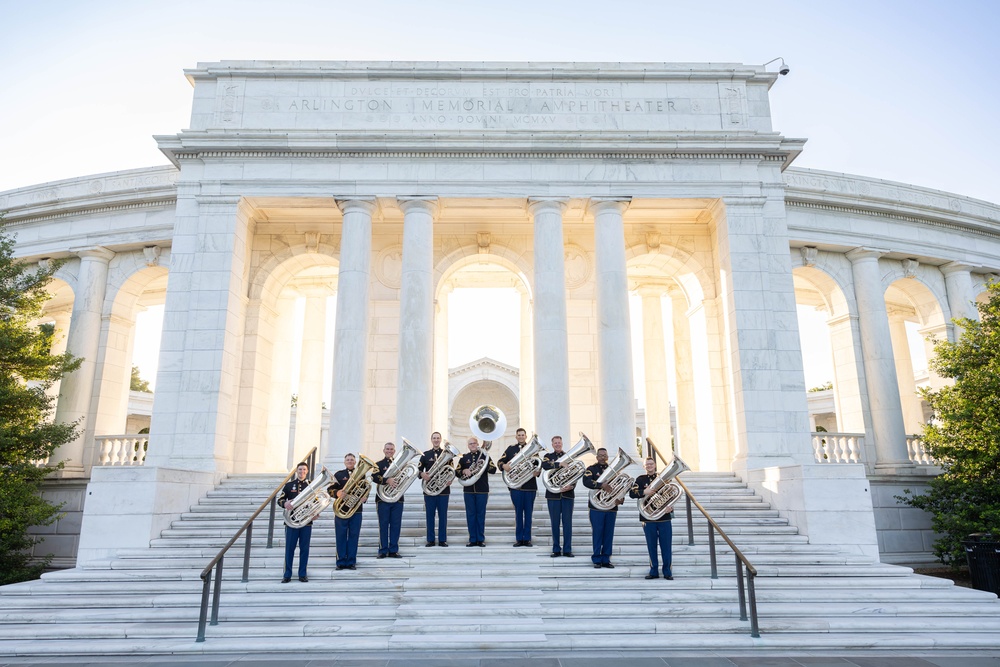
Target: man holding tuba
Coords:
[[523, 497], [476, 494], [390, 515], [602, 522], [560, 504], [295, 536], [347, 530], [659, 531], [435, 505]]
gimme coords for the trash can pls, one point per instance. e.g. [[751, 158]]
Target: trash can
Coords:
[[983, 552]]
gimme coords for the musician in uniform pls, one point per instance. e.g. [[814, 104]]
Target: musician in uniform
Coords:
[[435, 505], [659, 532], [295, 536], [347, 530], [560, 504], [476, 495], [524, 497], [390, 515], [602, 522]]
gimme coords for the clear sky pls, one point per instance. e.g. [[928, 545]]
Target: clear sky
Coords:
[[904, 91]]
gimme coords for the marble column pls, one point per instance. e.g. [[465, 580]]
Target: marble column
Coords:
[[348, 410], [84, 340], [687, 416], [526, 374], [655, 363], [850, 394], [441, 420], [278, 453], [961, 298], [884, 403], [908, 398], [549, 322], [614, 336], [309, 405], [416, 321], [61, 321]]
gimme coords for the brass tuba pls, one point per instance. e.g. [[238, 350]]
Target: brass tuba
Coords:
[[488, 423], [310, 502], [404, 469], [620, 483], [442, 473], [665, 491], [524, 464], [570, 468], [356, 489]]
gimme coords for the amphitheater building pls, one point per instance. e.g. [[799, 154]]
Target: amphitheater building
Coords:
[[375, 189]]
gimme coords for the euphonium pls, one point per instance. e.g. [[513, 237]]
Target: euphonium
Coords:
[[524, 464], [620, 483], [442, 473], [570, 468], [665, 491], [488, 423], [402, 469], [355, 491], [310, 502]]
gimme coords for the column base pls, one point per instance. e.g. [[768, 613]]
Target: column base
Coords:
[[69, 472], [896, 468]]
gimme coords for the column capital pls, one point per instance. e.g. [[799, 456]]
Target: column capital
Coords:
[[368, 205], [956, 267], [93, 252], [862, 253], [418, 203], [596, 205], [538, 205]]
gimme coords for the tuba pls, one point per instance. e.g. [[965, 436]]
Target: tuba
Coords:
[[356, 489], [620, 483], [488, 423], [402, 468], [311, 502], [665, 491], [570, 468], [442, 473], [524, 464]]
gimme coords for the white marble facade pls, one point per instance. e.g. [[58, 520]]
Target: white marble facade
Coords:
[[368, 187]]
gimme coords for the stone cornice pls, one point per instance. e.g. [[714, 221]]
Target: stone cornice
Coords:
[[479, 363]]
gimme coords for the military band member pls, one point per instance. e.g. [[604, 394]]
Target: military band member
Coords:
[[390, 515], [435, 505], [476, 495], [657, 532], [347, 530], [524, 497], [602, 522], [295, 536], [560, 504]]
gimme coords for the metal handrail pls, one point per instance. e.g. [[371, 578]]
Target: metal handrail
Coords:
[[217, 562], [742, 562]]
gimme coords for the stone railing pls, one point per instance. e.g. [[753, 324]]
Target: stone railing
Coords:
[[830, 447], [120, 450], [917, 452]]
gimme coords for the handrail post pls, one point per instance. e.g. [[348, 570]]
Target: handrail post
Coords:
[[216, 592], [687, 499], [739, 580], [203, 616], [711, 551], [246, 554], [270, 523], [754, 628]]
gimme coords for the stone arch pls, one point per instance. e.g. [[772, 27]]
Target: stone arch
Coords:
[[481, 391], [466, 255]]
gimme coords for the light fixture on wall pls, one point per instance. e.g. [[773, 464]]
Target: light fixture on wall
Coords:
[[783, 69]]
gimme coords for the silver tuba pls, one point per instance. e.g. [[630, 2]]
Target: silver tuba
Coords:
[[570, 468], [524, 464], [665, 491], [442, 473], [620, 483], [488, 423], [310, 502], [356, 489], [404, 469]]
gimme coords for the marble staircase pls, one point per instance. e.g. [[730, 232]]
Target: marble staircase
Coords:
[[494, 598]]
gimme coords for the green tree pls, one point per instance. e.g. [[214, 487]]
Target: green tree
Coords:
[[137, 383], [964, 435], [27, 434]]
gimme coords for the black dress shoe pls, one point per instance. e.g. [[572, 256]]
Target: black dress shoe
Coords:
[[519, 543], [430, 544], [555, 554], [652, 576], [380, 556], [442, 544], [352, 567], [610, 566], [597, 566], [340, 567], [480, 544], [395, 555], [472, 544], [527, 543], [568, 554], [668, 577], [304, 579], [286, 580]]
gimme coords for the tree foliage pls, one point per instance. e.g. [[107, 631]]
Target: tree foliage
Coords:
[[964, 435], [27, 433], [137, 383]]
